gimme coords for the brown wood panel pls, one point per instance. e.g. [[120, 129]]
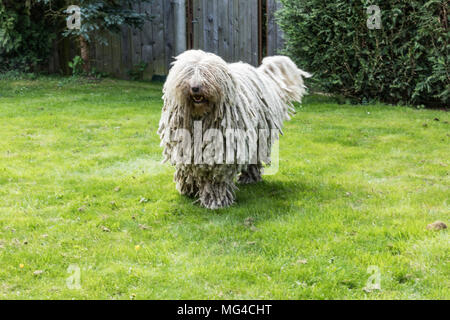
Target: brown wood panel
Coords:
[[275, 41], [169, 34]]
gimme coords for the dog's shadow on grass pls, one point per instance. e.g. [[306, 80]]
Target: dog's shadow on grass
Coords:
[[268, 198], [281, 196]]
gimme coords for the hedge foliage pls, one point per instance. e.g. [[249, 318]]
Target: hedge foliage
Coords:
[[26, 35], [29, 27], [406, 61]]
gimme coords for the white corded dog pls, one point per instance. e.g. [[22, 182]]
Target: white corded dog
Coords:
[[218, 121]]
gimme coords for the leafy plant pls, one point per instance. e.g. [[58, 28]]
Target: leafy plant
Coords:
[[137, 73], [94, 73], [406, 61], [77, 66]]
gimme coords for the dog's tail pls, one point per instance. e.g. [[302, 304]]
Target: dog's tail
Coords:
[[287, 75]]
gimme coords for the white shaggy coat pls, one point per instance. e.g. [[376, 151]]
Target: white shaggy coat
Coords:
[[228, 96]]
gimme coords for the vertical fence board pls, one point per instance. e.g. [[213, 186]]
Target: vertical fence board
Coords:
[[136, 41], [158, 36], [147, 43], [116, 63], [230, 32], [215, 25], [243, 28], [205, 26], [255, 32], [222, 30], [275, 40], [208, 25], [235, 30], [198, 24], [98, 61], [126, 51], [169, 34]]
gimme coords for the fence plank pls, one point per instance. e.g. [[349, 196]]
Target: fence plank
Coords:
[[236, 30], [222, 30], [147, 43], [275, 40], [215, 26], [254, 32], [158, 36], [230, 33], [243, 28], [116, 63], [198, 24], [169, 34], [98, 61]]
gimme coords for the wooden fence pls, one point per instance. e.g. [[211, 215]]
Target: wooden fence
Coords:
[[234, 29], [227, 28]]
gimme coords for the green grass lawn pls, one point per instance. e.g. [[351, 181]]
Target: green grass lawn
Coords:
[[81, 185]]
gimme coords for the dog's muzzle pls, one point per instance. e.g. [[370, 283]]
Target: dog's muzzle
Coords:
[[198, 98]]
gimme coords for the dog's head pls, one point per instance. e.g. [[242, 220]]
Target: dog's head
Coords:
[[198, 81]]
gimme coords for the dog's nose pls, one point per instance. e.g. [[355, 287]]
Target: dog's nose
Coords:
[[195, 89]]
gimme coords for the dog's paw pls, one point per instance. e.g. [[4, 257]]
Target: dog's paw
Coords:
[[252, 175], [217, 196], [214, 204], [248, 179]]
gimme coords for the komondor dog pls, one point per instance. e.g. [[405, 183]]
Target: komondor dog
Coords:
[[219, 121]]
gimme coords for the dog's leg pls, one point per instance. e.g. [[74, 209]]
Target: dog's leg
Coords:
[[185, 183], [216, 195], [251, 175]]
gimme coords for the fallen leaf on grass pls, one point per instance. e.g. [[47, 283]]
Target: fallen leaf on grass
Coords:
[[437, 225]]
